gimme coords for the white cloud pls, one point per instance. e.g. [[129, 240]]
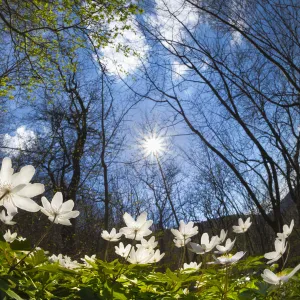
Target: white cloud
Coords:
[[171, 17], [23, 139], [237, 17], [171, 21], [133, 38], [179, 69], [236, 38]]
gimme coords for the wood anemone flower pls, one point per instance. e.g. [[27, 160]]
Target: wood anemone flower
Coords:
[[16, 190], [272, 278], [228, 259], [6, 219], [243, 226], [136, 230], [57, 211], [113, 236]]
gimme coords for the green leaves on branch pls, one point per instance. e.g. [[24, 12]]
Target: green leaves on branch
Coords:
[[40, 35]]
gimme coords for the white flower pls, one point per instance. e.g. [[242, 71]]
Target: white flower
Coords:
[[205, 246], [21, 239], [185, 230], [64, 261], [128, 282], [199, 284], [228, 259], [224, 249], [150, 244], [191, 267], [6, 219], [222, 237], [10, 237], [54, 258], [136, 230], [280, 247], [39, 248], [156, 257], [15, 189], [242, 227], [59, 212], [113, 236], [68, 263], [140, 256], [185, 291], [181, 243], [272, 278], [34, 251], [123, 251], [88, 259], [286, 231]]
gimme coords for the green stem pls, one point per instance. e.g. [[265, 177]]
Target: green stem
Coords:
[[106, 250], [278, 292], [181, 260], [245, 243], [204, 260], [287, 256], [132, 245], [183, 255], [226, 283], [121, 269], [13, 267]]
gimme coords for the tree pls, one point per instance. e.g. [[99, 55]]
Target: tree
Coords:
[[240, 62], [32, 33], [45, 51]]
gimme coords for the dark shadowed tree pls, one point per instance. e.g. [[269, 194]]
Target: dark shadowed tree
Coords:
[[239, 63]]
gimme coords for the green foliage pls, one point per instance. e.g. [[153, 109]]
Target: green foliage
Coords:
[[41, 34], [38, 277]]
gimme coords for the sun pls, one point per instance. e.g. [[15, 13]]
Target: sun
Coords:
[[153, 145]]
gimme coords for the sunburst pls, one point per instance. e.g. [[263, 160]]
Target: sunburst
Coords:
[[153, 145]]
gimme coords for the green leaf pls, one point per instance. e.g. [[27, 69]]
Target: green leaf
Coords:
[[20, 245], [36, 258], [114, 291], [13, 295], [5, 288], [88, 293]]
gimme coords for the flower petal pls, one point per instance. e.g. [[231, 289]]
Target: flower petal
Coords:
[[10, 207], [63, 221], [24, 176], [270, 276], [57, 201], [69, 214], [25, 203], [60, 221], [129, 221], [46, 212], [177, 234], [6, 170], [126, 230], [32, 190], [270, 255], [247, 222], [196, 248], [238, 256], [146, 225], [46, 204], [67, 206], [142, 218], [205, 239]]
